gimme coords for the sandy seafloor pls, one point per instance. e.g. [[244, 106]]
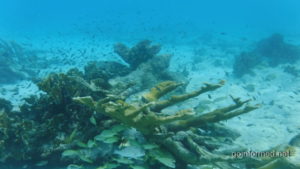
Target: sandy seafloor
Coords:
[[204, 60]]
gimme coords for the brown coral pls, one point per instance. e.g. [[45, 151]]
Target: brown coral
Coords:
[[138, 54]]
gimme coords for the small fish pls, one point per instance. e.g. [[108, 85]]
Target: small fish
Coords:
[[223, 33], [29, 84]]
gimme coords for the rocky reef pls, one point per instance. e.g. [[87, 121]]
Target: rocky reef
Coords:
[[276, 51], [141, 52], [105, 70], [17, 63], [5, 105], [271, 51], [147, 65], [245, 63], [99, 119], [46, 124]]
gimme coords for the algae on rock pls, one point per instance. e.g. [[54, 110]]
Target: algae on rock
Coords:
[[5, 105], [50, 123]]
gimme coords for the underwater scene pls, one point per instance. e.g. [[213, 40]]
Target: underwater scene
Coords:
[[136, 84]]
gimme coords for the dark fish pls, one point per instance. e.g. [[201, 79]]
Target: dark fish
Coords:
[[209, 96], [28, 85]]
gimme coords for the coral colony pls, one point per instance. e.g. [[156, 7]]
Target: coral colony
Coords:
[[89, 119]]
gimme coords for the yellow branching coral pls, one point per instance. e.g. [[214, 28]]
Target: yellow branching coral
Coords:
[[160, 90], [173, 132]]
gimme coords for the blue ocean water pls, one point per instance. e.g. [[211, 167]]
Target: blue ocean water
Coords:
[[52, 53], [133, 18]]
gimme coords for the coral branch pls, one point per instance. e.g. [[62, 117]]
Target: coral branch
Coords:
[[176, 99], [214, 116], [171, 131], [177, 116], [160, 90]]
